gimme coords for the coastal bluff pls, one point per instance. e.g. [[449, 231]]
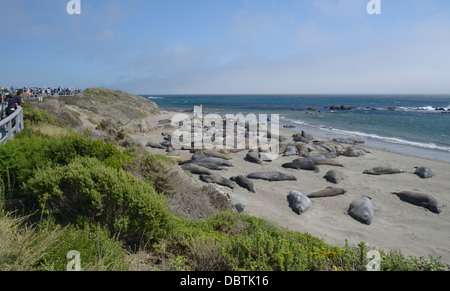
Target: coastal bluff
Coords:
[[105, 109]]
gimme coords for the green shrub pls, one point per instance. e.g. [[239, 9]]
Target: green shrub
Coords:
[[30, 248], [160, 171], [86, 189], [98, 251], [20, 157], [34, 116]]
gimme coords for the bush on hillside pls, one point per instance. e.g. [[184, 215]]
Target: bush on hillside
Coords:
[[45, 247], [86, 190], [20, 157]]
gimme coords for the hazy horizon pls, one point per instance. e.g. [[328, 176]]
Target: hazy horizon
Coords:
[[229, 47]]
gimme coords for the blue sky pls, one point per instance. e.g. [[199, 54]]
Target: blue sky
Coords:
[[228, 46]]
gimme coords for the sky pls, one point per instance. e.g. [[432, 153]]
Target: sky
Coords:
[[228, 46]]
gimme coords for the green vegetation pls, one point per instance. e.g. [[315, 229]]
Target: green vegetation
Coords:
[[110, 203]]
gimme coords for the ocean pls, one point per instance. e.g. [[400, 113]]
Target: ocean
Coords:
[[417, 125]]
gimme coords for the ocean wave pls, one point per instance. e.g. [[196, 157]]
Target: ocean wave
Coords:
[[154, 97], [394, 140], [425, 108]]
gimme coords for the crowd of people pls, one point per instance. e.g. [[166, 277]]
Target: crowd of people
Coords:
[[12, 97]]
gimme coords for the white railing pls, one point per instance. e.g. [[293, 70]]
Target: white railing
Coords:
[[11, 125]]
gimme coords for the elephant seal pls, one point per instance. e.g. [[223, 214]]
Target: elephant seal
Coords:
[[196, 169], [322, 160], [217, 161], [154, 145], [307, 135], [272, 176], [424, 172], [290, 151], [361, 209], [420, 199], [300, 164], [253, 157], [218, 180], [302, 148], [327, 192], [350, 152], [298, 202], [299, 137], [244, 182], [383, 171], [334, 176]]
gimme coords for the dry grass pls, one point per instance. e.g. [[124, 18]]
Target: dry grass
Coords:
[[22, 247]]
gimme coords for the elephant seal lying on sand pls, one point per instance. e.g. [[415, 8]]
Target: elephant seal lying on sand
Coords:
[[196, 169], [272, 176], [218, 180], [361, 209], [383, 171], [334, 176], [253, 157], [244, 182], [298, 202], [424, 172], [420, 199], [327, 192], [301, 164]]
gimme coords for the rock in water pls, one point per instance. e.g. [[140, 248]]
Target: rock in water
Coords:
[[299, 202], [361, 209]]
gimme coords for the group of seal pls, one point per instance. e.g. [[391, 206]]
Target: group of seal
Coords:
[[361, 209]]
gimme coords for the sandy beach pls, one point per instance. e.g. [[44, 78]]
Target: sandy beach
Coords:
[[397, 225]]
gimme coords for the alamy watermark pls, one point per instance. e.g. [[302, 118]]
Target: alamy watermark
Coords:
[[73, 7], [230, 132], [374, 7]]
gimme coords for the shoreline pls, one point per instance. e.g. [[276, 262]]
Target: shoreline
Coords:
[[409, 150], [398, 148], [397, 225]]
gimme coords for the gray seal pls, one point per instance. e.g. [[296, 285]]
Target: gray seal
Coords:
[[334, 176], [244, 182], [290, 151], [327, 192], [253, 157], [218, 180], [350, 152], [217, 161], [272, 176], [383, 171], [196, 169], [154, 145], [301, 164], [424, 172], [298, 202], [420, 199], [211, 166], [361, 209]]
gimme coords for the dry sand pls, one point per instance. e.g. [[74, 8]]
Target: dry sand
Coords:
[[397, 225]]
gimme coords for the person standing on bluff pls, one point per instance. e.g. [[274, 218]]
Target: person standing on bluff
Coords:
[[15, 101]]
